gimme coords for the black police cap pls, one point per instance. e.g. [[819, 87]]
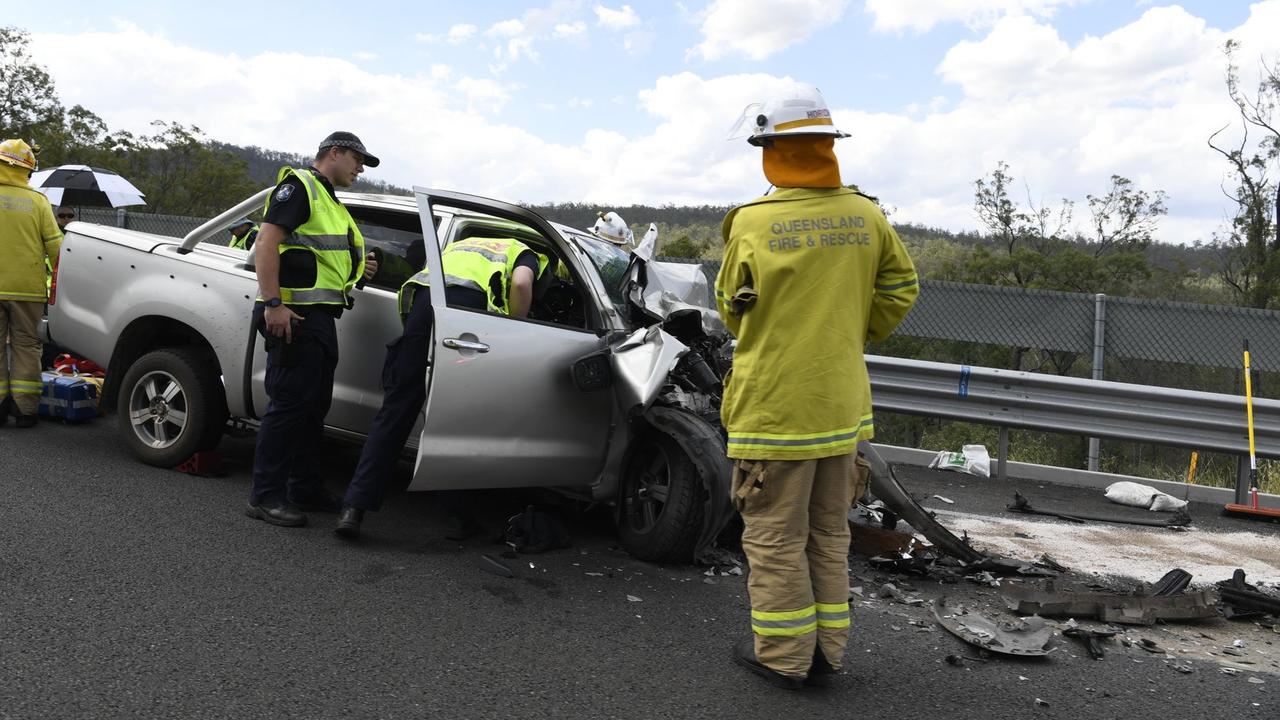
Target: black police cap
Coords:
[[348, 140]]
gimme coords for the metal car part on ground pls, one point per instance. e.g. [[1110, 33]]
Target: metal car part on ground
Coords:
[[1109, 607], [1029, 637]]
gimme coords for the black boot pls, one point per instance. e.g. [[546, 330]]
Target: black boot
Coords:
[[349, 522], [745, 653]]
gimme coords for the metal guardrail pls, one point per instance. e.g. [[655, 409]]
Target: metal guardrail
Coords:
[[1097, 408]]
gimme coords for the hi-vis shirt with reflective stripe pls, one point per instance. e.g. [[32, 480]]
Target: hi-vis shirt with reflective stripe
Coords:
[[242, 242], [472, 263], [332, 236], [809, 276], [802, 621], [404, 298]]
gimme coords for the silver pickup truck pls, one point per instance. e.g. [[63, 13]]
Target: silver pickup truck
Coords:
[[609, 391]]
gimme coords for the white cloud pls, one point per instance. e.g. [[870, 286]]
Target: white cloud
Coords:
[[461, 33], [365, 56], [923, 15], [760, 28], [616, 19], [570, 30], [456, 35], [505, 28]]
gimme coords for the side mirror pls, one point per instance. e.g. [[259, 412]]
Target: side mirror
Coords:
[[592, 372]]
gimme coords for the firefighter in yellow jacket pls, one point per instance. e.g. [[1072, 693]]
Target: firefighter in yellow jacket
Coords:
[[811, 272], [29, 236]]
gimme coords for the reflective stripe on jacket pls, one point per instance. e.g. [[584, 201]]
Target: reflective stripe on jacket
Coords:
[[808, 277], [332, 236], [474, 263]]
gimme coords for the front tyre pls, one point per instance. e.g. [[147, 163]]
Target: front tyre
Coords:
[[662, 503], [171, 405]]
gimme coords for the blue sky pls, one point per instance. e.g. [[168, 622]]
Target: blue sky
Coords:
[[629, 102]]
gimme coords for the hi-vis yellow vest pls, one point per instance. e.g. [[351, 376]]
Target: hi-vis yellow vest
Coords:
[[809, 276], [330, 234], [404, 298], [473, 263], [244, 241]]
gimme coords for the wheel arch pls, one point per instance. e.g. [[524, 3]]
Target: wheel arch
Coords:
[[141, 336], [705, 447]]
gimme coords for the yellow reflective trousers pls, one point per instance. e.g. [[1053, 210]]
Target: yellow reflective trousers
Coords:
[[20, 373], [797, 545]]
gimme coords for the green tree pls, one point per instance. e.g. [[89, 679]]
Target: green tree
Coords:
[[1250, 252], [29, 106]]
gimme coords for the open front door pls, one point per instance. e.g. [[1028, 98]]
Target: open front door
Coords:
[[502, 409]]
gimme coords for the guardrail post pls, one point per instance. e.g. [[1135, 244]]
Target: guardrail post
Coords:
[[1099, 352], [120, 218], [1002, 453]]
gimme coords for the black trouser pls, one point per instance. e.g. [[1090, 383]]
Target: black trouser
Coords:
[[299, 383], [404, 390]]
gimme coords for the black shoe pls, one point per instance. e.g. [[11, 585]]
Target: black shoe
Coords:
[[25, 421], [349, 522], [821, 674], [319, 501], [745, 654], [281, 515]]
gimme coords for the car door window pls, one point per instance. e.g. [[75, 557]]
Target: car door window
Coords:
[[562, 301], [396, 238]]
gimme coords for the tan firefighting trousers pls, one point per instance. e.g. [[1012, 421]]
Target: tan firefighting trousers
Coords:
[[20, 366], [797, 545]]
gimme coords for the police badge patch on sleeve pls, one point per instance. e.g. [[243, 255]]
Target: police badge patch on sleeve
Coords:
[[284, 193]]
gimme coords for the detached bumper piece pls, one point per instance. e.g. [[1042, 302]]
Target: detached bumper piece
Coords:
[[1110, 607], [1028, 637], [1022, 505]]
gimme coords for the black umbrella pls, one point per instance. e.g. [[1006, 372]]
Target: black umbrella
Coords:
[[83, 185]]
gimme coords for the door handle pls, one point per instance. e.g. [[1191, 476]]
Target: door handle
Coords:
[[460, 344]]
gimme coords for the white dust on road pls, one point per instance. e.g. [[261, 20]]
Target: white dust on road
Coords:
[[1125, 551]]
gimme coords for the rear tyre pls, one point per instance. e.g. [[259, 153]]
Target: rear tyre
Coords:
[[662, 503], [171, 405]]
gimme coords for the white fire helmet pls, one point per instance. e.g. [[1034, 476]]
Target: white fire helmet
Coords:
[[799, 110], [611, 227]]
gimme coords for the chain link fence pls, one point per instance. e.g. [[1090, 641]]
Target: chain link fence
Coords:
[[1151, 342], [167, 225]]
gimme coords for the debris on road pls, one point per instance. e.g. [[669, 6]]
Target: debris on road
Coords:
[[1092, 639], [490, 564], [1173, 582], [1245, 600], [1030, 637], [948, 501], [1143, 496], [972, 459], [1109, 607], [1045, 561], [1022, 505]]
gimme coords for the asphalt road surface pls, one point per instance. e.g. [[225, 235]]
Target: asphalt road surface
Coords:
[[132, 592]]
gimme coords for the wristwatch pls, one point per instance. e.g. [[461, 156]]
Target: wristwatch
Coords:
[[272, 303]]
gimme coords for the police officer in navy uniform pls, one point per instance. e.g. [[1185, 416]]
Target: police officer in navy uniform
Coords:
[[505, 284], [309, 255]]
